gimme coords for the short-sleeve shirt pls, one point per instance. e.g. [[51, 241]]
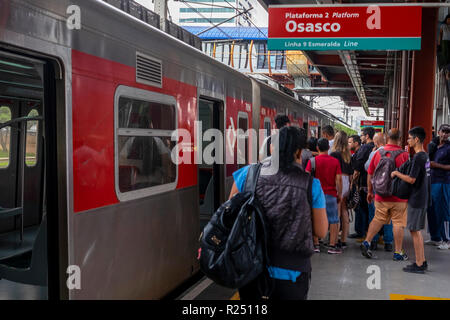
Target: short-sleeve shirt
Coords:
[[420, 170], [401, 158], [318, 198], [441, 156], [326, 170], [446, 31]]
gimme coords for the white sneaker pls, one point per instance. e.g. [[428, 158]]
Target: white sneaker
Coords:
[[444, 246], [433, 243]]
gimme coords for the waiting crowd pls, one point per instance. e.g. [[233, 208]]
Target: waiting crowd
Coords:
[[330, 178]]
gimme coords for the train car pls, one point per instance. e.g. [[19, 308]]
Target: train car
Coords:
[[105, 211]]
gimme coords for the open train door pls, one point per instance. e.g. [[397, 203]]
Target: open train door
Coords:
[[30, 221], [210, 176]]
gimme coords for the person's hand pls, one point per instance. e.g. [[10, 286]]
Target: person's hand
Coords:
[[369, 197], [394, 174]]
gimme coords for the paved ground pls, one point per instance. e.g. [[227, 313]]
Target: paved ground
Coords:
[[344, 276]]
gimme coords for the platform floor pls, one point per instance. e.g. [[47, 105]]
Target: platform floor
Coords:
[[344, 276]]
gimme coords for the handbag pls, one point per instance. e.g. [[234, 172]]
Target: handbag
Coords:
[[353, 197]]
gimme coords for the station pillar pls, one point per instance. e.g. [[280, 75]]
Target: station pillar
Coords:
[[423, 76]]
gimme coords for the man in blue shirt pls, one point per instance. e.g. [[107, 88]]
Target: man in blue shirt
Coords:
[[439, 212]]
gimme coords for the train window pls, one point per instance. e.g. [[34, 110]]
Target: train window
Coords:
[[242, 151], [5, 137], [145, 122], [32, 139]]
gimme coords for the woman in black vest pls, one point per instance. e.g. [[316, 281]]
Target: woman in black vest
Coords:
[[294, 206]]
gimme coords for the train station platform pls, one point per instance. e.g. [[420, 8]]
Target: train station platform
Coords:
[[344, 276]]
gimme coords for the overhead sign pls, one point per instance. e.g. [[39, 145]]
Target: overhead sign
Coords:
[[377, 125], [345, 28], [368, 123]]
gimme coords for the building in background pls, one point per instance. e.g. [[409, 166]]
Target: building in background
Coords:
[[209, 12]]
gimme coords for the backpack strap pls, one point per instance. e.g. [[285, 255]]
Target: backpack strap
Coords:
[[383, 152], [252, 177], [313, 166], [310, 197], [394, 153]]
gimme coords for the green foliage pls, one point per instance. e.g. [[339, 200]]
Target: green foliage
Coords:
[[348, 131], [5, 114]]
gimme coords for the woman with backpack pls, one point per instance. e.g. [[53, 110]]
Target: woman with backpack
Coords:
[[341, 151], [294, 207]]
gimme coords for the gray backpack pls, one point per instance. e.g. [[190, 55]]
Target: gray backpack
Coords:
[[381, 180]]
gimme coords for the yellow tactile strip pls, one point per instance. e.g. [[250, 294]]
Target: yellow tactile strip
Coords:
[[394, 296]]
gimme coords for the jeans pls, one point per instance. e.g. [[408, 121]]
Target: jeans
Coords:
[[362, 215], [439, 212], [388, 235], [332, 209]]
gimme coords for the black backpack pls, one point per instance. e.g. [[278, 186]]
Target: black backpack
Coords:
[[233, 243], [381, 179], [402, 189]]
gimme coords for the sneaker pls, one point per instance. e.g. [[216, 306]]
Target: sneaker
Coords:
[[388, 247], [424, 265], [317, 248], [433, 243], [373, 246], [355, 235], [342, 245], [444, 246], [400, 256], [414, 268], [334, 250], [365, 249]]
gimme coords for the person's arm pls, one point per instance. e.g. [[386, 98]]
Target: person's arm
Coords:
[[233, 191], [339, 186], [369, 188], [436, 165], [319, 222], [404, 177]]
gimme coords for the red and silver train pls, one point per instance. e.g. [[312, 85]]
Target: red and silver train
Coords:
[[102, 194]]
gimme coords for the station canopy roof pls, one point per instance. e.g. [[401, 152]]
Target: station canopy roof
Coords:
[[224, 33]]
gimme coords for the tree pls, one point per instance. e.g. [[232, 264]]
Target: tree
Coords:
[[5, 115]]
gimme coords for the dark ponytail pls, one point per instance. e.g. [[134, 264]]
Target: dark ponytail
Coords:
[[291, 139]]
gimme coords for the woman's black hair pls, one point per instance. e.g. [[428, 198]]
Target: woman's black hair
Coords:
[[291, 139], [445, 19], [312, 144]]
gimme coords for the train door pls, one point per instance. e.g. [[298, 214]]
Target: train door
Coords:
[[267, 133], [210, 175], [22, 137], [305, 126], [27, 97]]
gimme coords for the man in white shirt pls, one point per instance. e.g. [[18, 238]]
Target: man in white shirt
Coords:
[[328, 133]]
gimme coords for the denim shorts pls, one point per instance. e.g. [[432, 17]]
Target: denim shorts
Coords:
[[332, 209]]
